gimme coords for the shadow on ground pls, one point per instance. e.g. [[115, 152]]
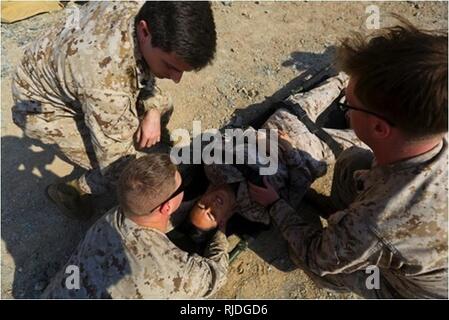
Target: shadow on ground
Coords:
[[36, 236], [313, 67]]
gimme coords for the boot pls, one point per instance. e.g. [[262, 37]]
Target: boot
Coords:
[[71, 200]]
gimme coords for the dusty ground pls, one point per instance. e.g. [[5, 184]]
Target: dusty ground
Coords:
[[262, 46]]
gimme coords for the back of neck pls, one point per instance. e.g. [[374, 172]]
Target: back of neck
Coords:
[[158, 222], [389, 154]]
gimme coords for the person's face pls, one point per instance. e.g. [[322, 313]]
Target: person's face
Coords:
[[213, 207], [164, 65]]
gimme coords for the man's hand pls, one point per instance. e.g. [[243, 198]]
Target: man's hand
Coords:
[[149, 132], [263, 196]]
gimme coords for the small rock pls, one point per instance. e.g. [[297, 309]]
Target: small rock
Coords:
[[20, 270], [246, 14], [416, 6], [232, 50], [243, 90], [266, 11], [256, 2], [227, 3], [253, 93]]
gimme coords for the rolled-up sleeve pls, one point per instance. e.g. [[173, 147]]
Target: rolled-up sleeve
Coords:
[[154, 98]]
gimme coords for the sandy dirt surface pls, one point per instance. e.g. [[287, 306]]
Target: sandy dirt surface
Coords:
[[262, 47]]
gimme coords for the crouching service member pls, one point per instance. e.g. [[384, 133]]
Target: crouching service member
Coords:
[[387, 237], [88, 87], [126, 254]]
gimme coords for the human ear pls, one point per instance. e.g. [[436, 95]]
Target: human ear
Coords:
[[166, 208], [382, 129], [144, 31]]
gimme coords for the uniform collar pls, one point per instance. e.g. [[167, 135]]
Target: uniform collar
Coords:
[[418, 160], [366, 178], [127, 226]]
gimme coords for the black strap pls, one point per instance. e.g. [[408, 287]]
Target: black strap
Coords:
[[299, 112]]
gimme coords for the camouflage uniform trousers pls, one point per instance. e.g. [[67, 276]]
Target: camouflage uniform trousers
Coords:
[[66, 131], [314, 103], [305, 162]]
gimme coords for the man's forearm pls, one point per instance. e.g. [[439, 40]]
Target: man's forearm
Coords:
[[217, 252], [296, 229], [217, 249], [338, 248]]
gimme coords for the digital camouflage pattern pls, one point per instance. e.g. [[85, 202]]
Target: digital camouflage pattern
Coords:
[[396, 219], [393, 217], [120, 259], [84, 87], [304, 162]]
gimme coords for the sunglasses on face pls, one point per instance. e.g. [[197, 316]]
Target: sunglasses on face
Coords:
[[174, 194], [345, 107]]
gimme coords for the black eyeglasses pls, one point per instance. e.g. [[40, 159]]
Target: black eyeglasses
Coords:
[[174, 194], [345, 107]]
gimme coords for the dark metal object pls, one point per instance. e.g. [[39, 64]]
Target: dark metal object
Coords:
[[239, 248]]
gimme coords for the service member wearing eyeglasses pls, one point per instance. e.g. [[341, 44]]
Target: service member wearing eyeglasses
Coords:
[[126, 254], [387, 234]]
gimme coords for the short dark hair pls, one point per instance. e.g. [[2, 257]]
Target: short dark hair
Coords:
[[145, 183], [401, 72], [186, 28]]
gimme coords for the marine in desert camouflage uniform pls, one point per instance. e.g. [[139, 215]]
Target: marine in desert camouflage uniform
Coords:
[[128, 255], [390, 219], [120, 259], [87, 87]]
